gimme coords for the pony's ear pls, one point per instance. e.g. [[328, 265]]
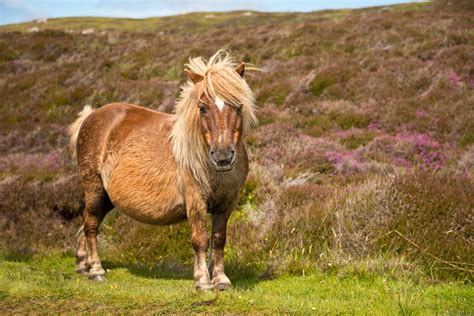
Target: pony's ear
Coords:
[[194, 77], [240, 69]]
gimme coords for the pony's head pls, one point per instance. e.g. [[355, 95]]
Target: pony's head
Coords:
[[215, 109], [221, 127]]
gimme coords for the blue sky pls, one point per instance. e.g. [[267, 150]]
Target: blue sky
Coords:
[[13, 11]]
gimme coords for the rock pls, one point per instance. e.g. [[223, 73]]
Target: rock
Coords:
[[87, 31]]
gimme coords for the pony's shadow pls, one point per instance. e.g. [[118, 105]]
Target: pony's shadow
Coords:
[[243, 278], [163, 270]]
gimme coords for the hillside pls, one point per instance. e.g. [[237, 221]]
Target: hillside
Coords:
[[362, 164]]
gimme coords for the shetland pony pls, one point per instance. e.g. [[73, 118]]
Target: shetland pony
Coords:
[[163, 168]]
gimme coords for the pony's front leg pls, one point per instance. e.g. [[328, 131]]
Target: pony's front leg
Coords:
[[200, 242], [82, 253], [219, 279]]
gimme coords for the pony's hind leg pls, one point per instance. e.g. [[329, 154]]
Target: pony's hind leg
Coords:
[[98, 204]]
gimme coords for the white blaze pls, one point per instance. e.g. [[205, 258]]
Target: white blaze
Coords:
[[219, 103]]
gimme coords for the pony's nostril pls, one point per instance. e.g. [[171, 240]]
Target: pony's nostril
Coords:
[[222, 157]]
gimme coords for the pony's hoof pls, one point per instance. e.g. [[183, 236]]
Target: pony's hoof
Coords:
[[221, 282], [222, 286], [97, 278]]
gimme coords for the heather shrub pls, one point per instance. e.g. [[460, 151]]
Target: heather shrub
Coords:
[[308, 226], [320, 83], [332, 82], [467, 137], [274, 93], [37, 214], [435, 214], [356, 138], [424, 216], [405, 151], [301, 231], [267, 115], [49, 45], [454, 5], [466, 163], [282, 234], [315, 125], [346, 162], [305, 153], [7, 53], [358, 214], [345, 114], [32, 165], [39, 140], [248, 193], [351, 120], [283, 145]]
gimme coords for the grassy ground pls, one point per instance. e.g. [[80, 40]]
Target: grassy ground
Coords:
[[48, 283]]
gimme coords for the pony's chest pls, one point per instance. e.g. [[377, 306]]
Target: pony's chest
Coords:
[[225, 191]]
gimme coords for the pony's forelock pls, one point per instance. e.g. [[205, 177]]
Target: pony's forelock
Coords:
[[220, 81]]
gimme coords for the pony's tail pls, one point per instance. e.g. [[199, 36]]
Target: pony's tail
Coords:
[[76, 126]]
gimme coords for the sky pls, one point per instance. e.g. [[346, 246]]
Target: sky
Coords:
[[14, 11]]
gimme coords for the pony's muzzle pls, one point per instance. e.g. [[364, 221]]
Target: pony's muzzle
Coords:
[[223, 159]]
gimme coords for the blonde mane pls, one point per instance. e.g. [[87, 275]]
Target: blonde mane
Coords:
[[220, 80]]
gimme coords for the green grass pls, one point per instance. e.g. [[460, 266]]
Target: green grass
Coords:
[[49, 283]]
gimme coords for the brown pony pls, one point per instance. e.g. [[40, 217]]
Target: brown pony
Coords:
[[160, 168]]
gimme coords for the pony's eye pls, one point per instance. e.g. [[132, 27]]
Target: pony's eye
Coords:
[[202, 109]]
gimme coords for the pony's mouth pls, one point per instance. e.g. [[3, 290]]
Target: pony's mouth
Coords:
[[223, 167]]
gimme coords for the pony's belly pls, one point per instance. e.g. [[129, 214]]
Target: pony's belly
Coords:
[[151, 204], [156, 216]]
